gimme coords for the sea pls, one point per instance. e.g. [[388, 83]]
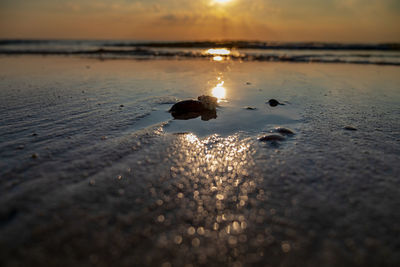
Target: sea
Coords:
[[359, 53]]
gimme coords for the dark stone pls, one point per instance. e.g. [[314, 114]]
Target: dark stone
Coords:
[[350, 128], [191, 109], [250, 108], [186, 107], [274, 103], [272, 138], [208, 115], [205, 115], [283, 131]]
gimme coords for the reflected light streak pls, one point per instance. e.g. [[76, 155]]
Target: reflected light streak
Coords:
[[219, 91], [218, 51], [215, 170], [218, 58], [191, 138]]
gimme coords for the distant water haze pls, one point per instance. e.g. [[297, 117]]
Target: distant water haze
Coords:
[[286, 20]]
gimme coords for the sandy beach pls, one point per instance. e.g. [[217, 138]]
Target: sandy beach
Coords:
[[95, 171]]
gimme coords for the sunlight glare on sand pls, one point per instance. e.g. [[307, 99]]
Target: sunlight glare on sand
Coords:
[[218, 58], [219, 91]]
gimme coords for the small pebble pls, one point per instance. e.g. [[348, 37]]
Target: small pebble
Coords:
[[272, 137], [35, 155], [250, 108], [248, 83], [350, 128], [34, 134], [121, 106], [274, 103], [20, 147], [284, 131]]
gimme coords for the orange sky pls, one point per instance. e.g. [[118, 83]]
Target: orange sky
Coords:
[[274, 20]]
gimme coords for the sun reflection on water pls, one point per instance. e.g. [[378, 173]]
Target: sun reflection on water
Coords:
[[211, 202], [219, 91], [191, 138], [218, 51], [218, 58], [220, 188]]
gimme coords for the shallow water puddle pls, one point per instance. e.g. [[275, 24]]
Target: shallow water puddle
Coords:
[[233, 118]]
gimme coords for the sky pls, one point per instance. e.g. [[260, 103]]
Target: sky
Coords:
[[264, 20]]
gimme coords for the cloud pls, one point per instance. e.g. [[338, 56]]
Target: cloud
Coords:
[[174, 19], [185, 19]]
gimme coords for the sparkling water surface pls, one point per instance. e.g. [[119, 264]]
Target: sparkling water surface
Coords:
[[94, 170]]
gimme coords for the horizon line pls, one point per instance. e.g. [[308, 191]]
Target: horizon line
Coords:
[[226, 40]]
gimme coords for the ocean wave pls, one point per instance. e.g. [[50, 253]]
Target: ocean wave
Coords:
[[211, 44], [378, 54]]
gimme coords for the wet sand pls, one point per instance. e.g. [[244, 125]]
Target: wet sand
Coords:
[[116, 181]]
